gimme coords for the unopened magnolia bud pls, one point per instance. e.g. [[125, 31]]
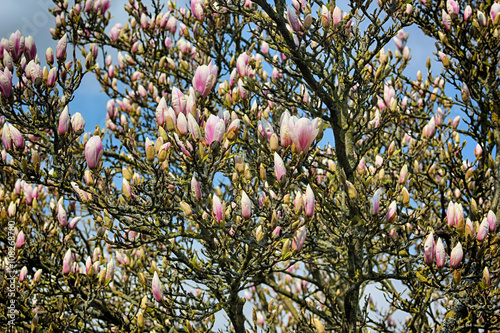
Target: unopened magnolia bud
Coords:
[[351, 190], [486, 277], [186, 208]]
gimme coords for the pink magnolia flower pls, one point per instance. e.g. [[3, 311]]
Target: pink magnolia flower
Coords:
[[265, 128], [214, 129], [467, 13], [246, 205], [279, 166], [392, 212], [64, 121], [16, 45], [93, 152], [299, 238], [198, 9], [440, 253], [494, 11], [429, 251], [20, 240], [5, 82], [204, 79], [337, 15], [483, 230], [376, 202], [456, 256], [217, 208], [68, 259], [77, 123], [293, 19], [11, 137], [303, 132], [453, 7], [23, 274], [195, 187], [178, 101], [309, 202], [446, 20], [450, 214], [157, 288], [61, 48], [492, 221], [241, 64]]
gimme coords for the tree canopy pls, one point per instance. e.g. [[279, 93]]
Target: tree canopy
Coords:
[[264, 161]]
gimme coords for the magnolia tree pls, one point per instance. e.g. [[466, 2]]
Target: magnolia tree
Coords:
[[269, 163]]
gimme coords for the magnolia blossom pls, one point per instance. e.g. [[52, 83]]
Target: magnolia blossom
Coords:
[[440, 253], [429, 251], [156, 288], [303, 132], [279, 166], [217, 208], [11, 137], [246, 205], [214, 129], [309, 202], [68, 259], [456, 256], [376, 202], [299, 238], [93, 152], [64, 121], [204, 79]]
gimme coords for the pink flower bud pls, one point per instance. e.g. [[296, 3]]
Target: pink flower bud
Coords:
[[241, 64], [110, 269], [11, 137], [30, 48], [182, 125], [246, 205], [5, 83], [481, 19], [478, 151], [446, 20], [309, 202], [299, 238], [452, 7], [494, 11], [77, 123], [193, 127], [279, 166], [492, 221], [16, 45], [403, 174], [195, 187], [337, 15], [64, 121], [456, 256], [20, 240], [68, 259], [286, 139], [23, 274], [157, 288], [467, 13], [205, 78], [392, 213], [293, 19], [198, 9], [440, 254], [61, 48], [217, 208], [52, 77], [214, 129], [37, 275], [93, 152], [376, 202], [450, 214], [483, 230], [74, 221], [429, 252]]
